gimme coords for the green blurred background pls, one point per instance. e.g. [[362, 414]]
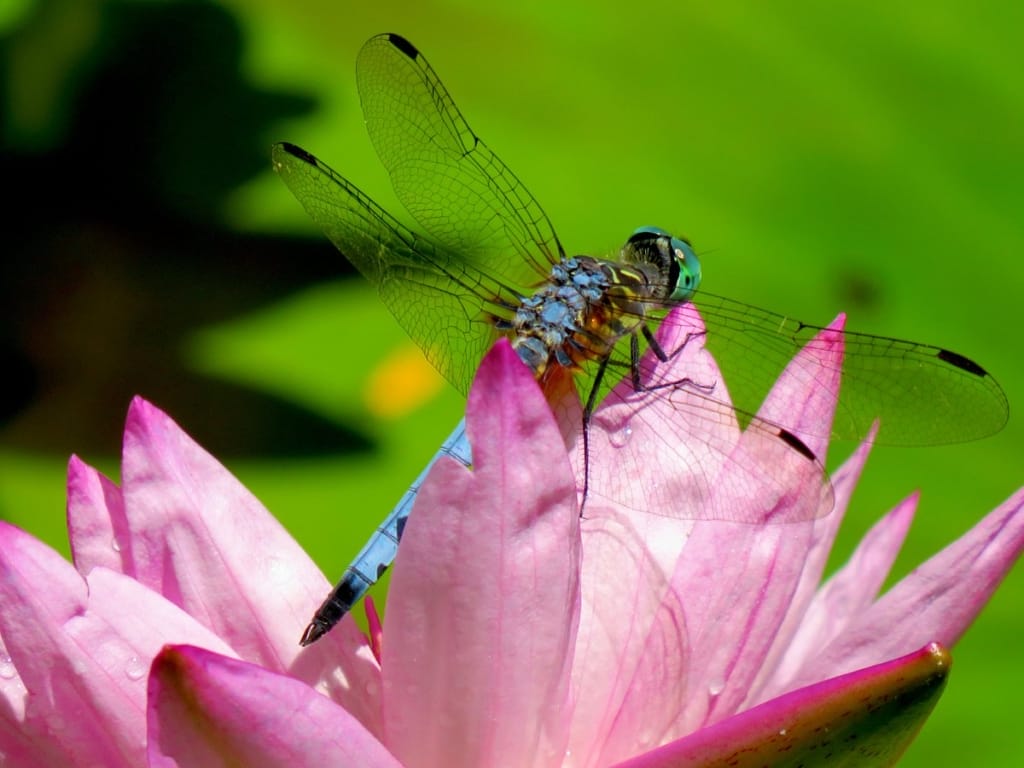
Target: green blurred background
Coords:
[[866, 157]]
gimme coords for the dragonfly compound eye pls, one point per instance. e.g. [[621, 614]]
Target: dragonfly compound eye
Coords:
[[686, 269], [647, 245], [674, 258], [646, 234]]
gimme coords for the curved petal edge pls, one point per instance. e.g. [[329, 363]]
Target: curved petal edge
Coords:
[[864, 718]]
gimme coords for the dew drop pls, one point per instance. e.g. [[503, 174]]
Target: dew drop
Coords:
[[7, 669], [371, 689], [135, 669], [56, 723], [646, 739], [620, 437], [715, 687], [782, 732], [115, 545]]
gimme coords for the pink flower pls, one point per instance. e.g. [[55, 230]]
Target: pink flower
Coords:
[[516, 633]]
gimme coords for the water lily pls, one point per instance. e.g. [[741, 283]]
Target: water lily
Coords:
[[517, 632]]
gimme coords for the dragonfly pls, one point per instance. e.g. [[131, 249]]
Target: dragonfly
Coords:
[[490, 264]]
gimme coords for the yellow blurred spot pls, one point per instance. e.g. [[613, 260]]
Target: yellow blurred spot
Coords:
[[402, 382]]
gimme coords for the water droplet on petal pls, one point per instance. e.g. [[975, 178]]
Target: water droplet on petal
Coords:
[[715, 687], [115, 545], [621, 436], [646, 739], [7, 669], [782, 732], [136, 668], [56, 723]]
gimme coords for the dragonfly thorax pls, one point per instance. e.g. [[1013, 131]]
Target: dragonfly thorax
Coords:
[[579, 313], [587, 305]]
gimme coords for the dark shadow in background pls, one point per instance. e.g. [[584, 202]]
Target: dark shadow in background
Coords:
[[113, 249]]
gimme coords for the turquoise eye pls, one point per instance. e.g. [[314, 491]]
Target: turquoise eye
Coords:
[[689, 270], [654, 245], [656, 231]]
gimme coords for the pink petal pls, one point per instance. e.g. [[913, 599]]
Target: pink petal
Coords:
[[937, 601], [208, 709], [97, 525], [374, 627], [17, 745], [844, 481], [739, 581], [200, 539], [484, 603], [659, 451], [866, 718], [635, 636], [846, 596], [804, 397], [82, 648], [631, 653], [197, 536]]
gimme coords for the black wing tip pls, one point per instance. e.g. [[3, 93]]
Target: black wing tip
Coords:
[[403, 45], [961, 362], [797, 444], [296, 152]]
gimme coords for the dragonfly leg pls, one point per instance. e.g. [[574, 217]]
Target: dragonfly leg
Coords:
[[588, 411], [659, 352], [654, 344], [638, 386]]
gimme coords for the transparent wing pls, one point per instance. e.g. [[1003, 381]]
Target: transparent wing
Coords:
[[678, 447], [919, 393], [445, 305], [442, 303], [445, 175], [702, 438], [493, 241]]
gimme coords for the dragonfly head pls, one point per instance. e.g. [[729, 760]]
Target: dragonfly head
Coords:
[[672, 256]]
